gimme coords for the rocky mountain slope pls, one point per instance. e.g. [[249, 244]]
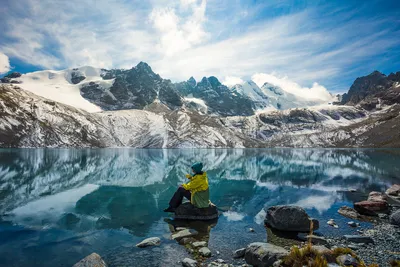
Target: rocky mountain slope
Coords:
[[28, 120]]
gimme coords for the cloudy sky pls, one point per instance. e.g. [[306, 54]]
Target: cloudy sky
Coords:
[[308, 44]]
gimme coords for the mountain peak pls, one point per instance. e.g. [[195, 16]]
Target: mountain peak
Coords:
[[192, 82], [143, 66]]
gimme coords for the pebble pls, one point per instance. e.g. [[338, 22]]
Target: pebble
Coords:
[[352, 224], [251, 230], [331, 222]]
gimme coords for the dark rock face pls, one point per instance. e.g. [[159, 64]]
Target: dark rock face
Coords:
[[132, 89], [77, 76], [365, 89], [218, 97], [263, 254], [187, 211], [290, 218], [8, 78]]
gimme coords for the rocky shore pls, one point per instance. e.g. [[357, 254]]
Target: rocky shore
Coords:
[[378, 246]]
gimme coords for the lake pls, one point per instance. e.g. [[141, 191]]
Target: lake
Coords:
[[59, 205]]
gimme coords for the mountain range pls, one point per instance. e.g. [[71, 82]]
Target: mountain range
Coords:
[[91, 107]]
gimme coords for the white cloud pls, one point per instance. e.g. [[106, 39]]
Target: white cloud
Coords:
[[4, 63], [317, 91], [231, 81], [320, 203], [187, 38], [176, 33]]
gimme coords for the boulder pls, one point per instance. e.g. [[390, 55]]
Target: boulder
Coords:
[[348, 212], [93, 260], [263, 254], [184, 233], [189, 263], [152, 241], [358, 239], [290, 218], [239, 253], [187, 211], [395, 218], [205, 252], [394, 190], [322, 249], [371, 208], [376, 196], [347, 260]]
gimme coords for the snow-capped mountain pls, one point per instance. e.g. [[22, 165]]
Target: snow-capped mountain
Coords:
[[272, 97]]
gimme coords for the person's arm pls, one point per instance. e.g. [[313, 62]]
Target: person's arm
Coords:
[[194, 183]]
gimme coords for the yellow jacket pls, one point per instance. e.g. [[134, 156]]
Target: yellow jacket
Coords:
[[198, 186]]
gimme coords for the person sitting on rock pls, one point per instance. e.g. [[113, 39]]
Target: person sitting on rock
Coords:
[[196, 190]]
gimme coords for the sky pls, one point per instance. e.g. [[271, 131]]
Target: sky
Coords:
[[303, 44]]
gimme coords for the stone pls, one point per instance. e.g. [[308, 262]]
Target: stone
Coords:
[[377, 196], [395, 218], [290, 218], [348, 212], [394, 190], [318, 240], [180, 228], [189, 263], [278, 263], [347, 260], [239, 253], [187, 211], [185, 240], [199, 244], [184, 233], [352, 224], [220, 261], [263, 254], [332, 223], [152, 241], [205, 252], [322, 249], [371, 208], [251, 230], [358, 239], [93, 260]]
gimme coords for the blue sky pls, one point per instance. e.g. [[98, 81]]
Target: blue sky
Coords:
[[296, 42]]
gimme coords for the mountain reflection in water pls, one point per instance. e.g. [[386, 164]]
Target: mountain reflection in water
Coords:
[[81, 200]]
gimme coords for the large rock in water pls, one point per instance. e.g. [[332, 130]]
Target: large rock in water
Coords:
[[371, 207], [290, 218], [263, 254], [93, 260], [187, 211]]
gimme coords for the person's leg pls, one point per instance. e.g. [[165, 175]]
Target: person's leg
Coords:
[[177, 198]]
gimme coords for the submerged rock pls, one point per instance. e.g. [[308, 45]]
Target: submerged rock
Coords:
[[263, 254], [189, 263], [395, 218], [93, 260], [290, 218], [187, 211], [152, 241]]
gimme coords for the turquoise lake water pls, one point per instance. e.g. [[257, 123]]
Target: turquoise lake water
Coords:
[[59, 205]]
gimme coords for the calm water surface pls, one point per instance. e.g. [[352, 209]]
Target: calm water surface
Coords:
[[57, 206]]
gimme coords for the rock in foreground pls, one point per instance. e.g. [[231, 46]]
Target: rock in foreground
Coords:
[[187, 211], [189, 263], [290, 218], [263, 254], [394, 190], [93, 260]]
